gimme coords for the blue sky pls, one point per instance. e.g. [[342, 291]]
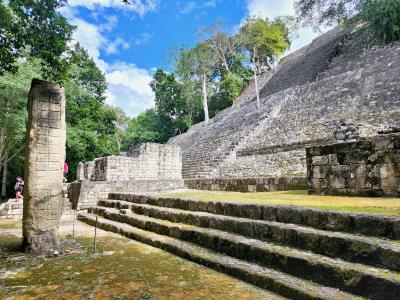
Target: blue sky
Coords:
[[129, 42]]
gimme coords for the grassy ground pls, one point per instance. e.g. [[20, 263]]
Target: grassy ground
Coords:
[[388, 206], [122, 269]]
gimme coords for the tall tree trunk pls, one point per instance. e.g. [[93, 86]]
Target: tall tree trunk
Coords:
[[205, 104], [225, 64], [4, 179], [255, 77]]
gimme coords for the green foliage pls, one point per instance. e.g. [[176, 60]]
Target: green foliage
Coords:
[[85, 73], [10, 39], [170, 104], [382, 18], [14, 90], [169, 117], [265, 39], [143, 128], [229, 89], [379, 19], [92, 129], [326, 12], [91, 126], [39, 27]]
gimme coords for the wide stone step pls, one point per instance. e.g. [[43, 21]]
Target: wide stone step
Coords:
[[350, 247], [365, 224], [354, 278], [266, 278]]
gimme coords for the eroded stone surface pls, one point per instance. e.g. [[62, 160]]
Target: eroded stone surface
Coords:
[[273, 280], [368, 167], [354, 94], [364, 281], [44, 159], [366, 224]]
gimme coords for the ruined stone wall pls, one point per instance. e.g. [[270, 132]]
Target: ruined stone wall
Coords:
[[13, 209], [44, 162], [361, 89], [85, 194], [368, 167], [248, 185], [148, 167], [147, 161]]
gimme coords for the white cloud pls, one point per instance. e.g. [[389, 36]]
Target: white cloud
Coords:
[[188, 7], [90, 37], [143, 39], [128, 85], [211, 3], [272, 9], [112, 47], [141, 7], [112, 21]]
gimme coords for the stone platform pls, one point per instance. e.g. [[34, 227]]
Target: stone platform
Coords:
[[12, 210], [296, 252]]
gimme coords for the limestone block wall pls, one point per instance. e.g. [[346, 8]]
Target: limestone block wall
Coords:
[[85, 194], [88, 170], [158, 161], [248, 185], [148, 161], [13, 208], [145, 168], [80, 172], [368, 167]]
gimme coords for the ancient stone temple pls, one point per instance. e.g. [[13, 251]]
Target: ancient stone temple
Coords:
[[305, 101], [44, 158]]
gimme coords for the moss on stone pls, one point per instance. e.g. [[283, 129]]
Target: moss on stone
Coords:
[[122, 269], [384, 206]]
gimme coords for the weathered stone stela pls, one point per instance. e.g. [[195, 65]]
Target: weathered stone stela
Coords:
[[44, 158]]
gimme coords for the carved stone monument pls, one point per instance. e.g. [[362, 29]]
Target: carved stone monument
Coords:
[[44, 158]]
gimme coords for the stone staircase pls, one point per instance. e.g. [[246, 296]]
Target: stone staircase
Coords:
[[299, 253]]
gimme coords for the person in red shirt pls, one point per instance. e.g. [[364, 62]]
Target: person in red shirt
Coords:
[[66, 168]]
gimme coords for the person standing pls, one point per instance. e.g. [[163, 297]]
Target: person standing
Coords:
[[19, 187], [66, 168]]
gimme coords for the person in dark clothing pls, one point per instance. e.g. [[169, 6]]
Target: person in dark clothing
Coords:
[[19, 187]]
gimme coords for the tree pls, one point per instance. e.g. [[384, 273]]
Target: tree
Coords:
[[91, 126], [170, 103], [379, 20], [382, 19], [326, 12], [85, 73], [143, 128], [14, 90], [226, 48], [264, 40], [39, 27], [229, 73], [229, 89], [197, 64], [10, 40]]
